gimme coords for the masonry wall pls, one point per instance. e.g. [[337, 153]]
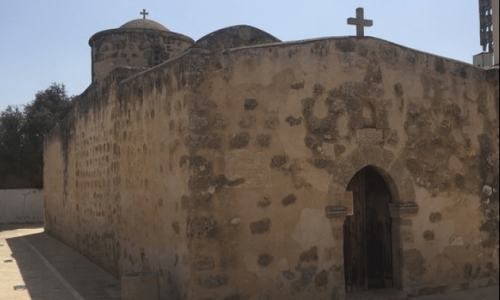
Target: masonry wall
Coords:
[[133, 48], [114, 185], [215, 169], [289, 127]]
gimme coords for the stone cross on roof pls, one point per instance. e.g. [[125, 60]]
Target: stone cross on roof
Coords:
[[144, 14], [360, 22]]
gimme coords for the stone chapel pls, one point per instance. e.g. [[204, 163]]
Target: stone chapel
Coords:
[[241, 167]]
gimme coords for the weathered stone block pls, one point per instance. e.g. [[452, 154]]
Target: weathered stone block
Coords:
[[265, 260], [289, 200], [213, 282], [261, 227], [202, 227]]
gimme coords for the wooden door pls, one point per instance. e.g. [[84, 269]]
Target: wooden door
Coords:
[[367, 234]]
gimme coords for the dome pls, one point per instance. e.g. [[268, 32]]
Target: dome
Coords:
[[144, 24], [235, 36]]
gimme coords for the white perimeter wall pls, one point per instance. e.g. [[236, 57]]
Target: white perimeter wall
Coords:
[[21, 206]]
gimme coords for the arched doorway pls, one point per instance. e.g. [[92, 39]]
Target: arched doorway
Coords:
[[368, 259]]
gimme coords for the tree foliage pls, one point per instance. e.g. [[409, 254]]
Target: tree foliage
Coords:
[[22, 134]]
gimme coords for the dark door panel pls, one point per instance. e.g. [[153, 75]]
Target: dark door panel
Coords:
[[367, 234]]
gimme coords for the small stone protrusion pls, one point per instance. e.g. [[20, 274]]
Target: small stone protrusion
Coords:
[[202, 227], [297, 85], [435, 218], [279, 161], [429, 235], [264, 140], [251, 104], [310, 255], [240, 141], [488, 190], [236, 221], [265, 260], [264, 202], [261, 227], [289, 200], [292, 121], [213, 282]]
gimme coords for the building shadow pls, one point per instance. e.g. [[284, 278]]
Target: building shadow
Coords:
[[10, 227], [52, 271]]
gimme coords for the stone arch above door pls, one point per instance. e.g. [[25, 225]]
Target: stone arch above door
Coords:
[[399, 180], [402, 207]]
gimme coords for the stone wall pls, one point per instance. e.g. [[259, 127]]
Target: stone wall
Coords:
[[20, 206], [290, 125], [114, 184], [227, 171], [132, 47]]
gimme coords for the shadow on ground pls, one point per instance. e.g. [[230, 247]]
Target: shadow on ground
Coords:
[[52, 271]]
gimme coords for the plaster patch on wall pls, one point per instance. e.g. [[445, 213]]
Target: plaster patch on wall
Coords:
[[292, 139], [283, 264], [250, 166], [488, 190], [313, 229], [444, 231], [455, 163], [457, 241], [250, 262], [317, 178]]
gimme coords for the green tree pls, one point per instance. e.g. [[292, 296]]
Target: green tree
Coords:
[[11, 141], [22, 134]]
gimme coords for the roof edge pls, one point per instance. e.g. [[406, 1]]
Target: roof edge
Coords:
[[139, 30], [306, 41]]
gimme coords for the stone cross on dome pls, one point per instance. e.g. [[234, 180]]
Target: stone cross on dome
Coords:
[[360, 21], [144, 13]]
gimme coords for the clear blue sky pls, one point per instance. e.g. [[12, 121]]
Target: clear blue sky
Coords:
[[46, 41]]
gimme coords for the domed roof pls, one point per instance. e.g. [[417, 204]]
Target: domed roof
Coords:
[[234, 37], [144, 24]]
